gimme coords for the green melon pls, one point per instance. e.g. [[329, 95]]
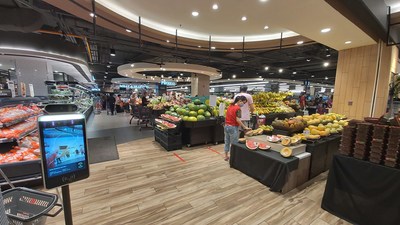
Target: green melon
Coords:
[[200, 111], [193, 113], [200, 117], [202, 106], [207, 114], [197, 102], [192, 119]]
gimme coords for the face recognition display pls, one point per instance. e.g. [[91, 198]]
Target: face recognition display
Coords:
[[64, 149]]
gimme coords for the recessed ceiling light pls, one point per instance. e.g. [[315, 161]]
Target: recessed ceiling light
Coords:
[[212, 47], [215, 6], [308, 60], [326, 78], [280, 70], [195, 13], [259, 76], [144, 75], [271, 73], [55, 71], [266, 68], [244, 18], [263, 0], [168, 41], [92, 15], [105, 76], [199, 46], [108, 66], [312, 76], [132, 65], [328, 55], [326, 64], [127, 30], [300, 42], [325, 30], [229, 78], [232, 48], [234, 76], [348, 42], [181, 74], [294, 72], [106, 72], [266, 27]]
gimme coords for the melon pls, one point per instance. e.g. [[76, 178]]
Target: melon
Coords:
[[286, 152], [197, 102], [193, 113], [286, 141], [200, 112], [200, 118], [263, 146], [207, 114], [202, 106], [252, 145]]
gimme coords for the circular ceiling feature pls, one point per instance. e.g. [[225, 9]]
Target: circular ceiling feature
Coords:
[[135, 72], [215, 6], [195, 13], [244, 18], [325, 30], [347, 42]]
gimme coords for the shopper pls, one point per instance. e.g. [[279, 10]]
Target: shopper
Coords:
[[232, 123], [302, 101], [248, 107], [144, 99], [111, 103]]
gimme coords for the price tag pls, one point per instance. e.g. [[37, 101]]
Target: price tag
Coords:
[[306, 132]]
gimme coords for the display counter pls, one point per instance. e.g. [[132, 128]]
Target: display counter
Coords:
[[199, 132], [362, 192], [270, 168]]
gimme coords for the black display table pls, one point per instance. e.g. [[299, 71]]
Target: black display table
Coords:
[[321, 153], [362, 192], [267, 167], [199, 132]]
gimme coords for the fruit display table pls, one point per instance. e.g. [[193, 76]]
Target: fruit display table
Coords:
[[321, 153], [296, 149], [198, 132], [362, 192], [218, 135], [270, 168]]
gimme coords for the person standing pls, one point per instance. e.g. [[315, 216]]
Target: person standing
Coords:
[[111, 103], [248, 107], [302, 101], [233, 122], [144, 99]]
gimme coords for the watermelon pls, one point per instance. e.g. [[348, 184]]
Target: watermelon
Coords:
[[252, 145], [263, 146]]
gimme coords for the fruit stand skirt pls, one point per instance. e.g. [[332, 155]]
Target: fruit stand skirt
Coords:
[[362, 192], [270, 168]]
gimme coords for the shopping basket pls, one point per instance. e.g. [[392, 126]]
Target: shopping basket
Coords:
[[24, 206]]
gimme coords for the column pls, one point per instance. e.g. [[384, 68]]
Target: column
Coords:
[[200, 85], [362, 80]]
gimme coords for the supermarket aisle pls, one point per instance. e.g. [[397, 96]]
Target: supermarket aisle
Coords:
[[103, 125]]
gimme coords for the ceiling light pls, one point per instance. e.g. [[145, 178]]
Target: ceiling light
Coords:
[[1, 64], [280, 70], [105, 76], [348, 42], [92, 15], [328, 55], [266, 27], [195, 13], [300, 42], [144, 75], [162, 75], [212, 47], [308, 60], [234, 76], [181, 74], [266, 68], [112, 52], [271, 73], [232, 48], [244, 18], [325, 30], [168, 41], [326, 64], [294, 72], [108, 66], [186, 87], [259, 76], [127, 30], [229, 78], [106, 72], [55, 71], [243, 71], [215, 6], [312, 76], [132, 65], [164, 69], [199, 46], [263, 0], [326, 78]]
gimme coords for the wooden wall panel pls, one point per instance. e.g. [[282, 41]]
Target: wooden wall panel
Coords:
[[359, 81]]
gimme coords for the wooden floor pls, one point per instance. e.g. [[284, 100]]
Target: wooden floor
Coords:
[[149, 185]]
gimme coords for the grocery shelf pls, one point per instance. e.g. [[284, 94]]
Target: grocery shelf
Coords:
[[13, 122]]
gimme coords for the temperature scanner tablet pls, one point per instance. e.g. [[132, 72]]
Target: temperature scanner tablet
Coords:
[[63, 148]]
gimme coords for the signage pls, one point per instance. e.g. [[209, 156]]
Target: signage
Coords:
[[63, 147], [31, 90], [168, 83], [5, 93]]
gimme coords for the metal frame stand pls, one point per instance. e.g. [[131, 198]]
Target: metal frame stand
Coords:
[[67, 205]]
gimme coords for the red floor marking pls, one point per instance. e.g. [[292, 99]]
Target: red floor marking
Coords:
[[209, 148], [177, 156]]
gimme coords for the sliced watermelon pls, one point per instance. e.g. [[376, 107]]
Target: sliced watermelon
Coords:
[[252, 145], [263, 146]]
